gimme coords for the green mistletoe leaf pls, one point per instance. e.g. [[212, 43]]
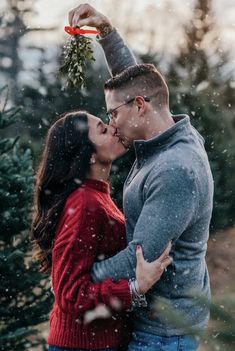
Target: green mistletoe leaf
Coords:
[[77, 52]]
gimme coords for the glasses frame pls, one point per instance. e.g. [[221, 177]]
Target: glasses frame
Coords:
[[110, 112]]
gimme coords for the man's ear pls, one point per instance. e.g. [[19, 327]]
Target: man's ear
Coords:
[[139, 101]]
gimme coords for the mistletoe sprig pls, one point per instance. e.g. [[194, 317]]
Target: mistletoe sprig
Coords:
[[77, 52]]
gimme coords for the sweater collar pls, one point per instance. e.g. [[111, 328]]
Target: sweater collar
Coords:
[[98, 185], [145, 148]]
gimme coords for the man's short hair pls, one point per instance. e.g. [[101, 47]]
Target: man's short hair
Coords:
[[142, 79]]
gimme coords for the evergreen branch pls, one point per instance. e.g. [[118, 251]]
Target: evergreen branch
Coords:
[[20, 332], [8, 144], [6, 99]]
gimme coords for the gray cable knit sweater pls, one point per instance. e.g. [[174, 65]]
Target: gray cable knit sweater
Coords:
[[167, 196]]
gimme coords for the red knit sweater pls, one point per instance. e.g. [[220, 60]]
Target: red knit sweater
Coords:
[[90, 227]]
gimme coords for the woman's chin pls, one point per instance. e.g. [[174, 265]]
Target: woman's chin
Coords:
[[118, 150], [120, 153], [126, 143]]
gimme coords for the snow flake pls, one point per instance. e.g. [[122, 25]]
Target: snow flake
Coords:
[[71, 211], [101, 311]]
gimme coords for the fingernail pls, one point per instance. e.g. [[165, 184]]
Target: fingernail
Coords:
[[137, 247]]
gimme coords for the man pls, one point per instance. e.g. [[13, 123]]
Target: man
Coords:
[[167, 195]]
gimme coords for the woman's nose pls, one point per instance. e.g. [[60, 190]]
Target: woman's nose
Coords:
[[112, 130]]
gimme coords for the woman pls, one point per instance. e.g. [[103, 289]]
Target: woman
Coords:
[[76, 223]]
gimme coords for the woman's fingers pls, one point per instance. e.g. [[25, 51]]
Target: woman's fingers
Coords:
[[165, 252], [166, 262], [148, 273], [139, 256]]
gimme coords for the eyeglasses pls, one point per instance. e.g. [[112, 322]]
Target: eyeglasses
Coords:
[[111, 111]]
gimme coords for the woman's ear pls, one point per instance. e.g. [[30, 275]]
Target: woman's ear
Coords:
[[92, 160]]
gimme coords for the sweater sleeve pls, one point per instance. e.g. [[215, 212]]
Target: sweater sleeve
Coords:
[[118, 55], [73, 257], [170, 203]]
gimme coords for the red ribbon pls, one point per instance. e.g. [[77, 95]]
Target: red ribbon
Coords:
[[75, 30]]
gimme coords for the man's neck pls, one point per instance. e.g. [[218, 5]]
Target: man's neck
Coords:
[[157, 124]]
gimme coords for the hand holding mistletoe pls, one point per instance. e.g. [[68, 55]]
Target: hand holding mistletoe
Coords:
[[77, 52]]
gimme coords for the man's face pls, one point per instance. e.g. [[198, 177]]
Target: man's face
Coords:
[[122, 116]]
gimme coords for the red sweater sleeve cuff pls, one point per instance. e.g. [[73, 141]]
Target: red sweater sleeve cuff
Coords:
[[118, 293]]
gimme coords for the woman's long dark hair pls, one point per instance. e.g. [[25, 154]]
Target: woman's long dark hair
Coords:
[[63, 168]]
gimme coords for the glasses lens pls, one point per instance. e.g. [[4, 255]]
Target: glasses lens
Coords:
[[110, 116]]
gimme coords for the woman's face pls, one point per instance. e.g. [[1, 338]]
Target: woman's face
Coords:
[[108, 146]]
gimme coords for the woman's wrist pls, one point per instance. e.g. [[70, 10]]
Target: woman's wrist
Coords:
[[139, 290], [138, 299]]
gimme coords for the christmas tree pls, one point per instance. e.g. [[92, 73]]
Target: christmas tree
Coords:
[[24, 297]]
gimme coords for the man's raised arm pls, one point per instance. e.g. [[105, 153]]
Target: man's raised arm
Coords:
[[117, 53]]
